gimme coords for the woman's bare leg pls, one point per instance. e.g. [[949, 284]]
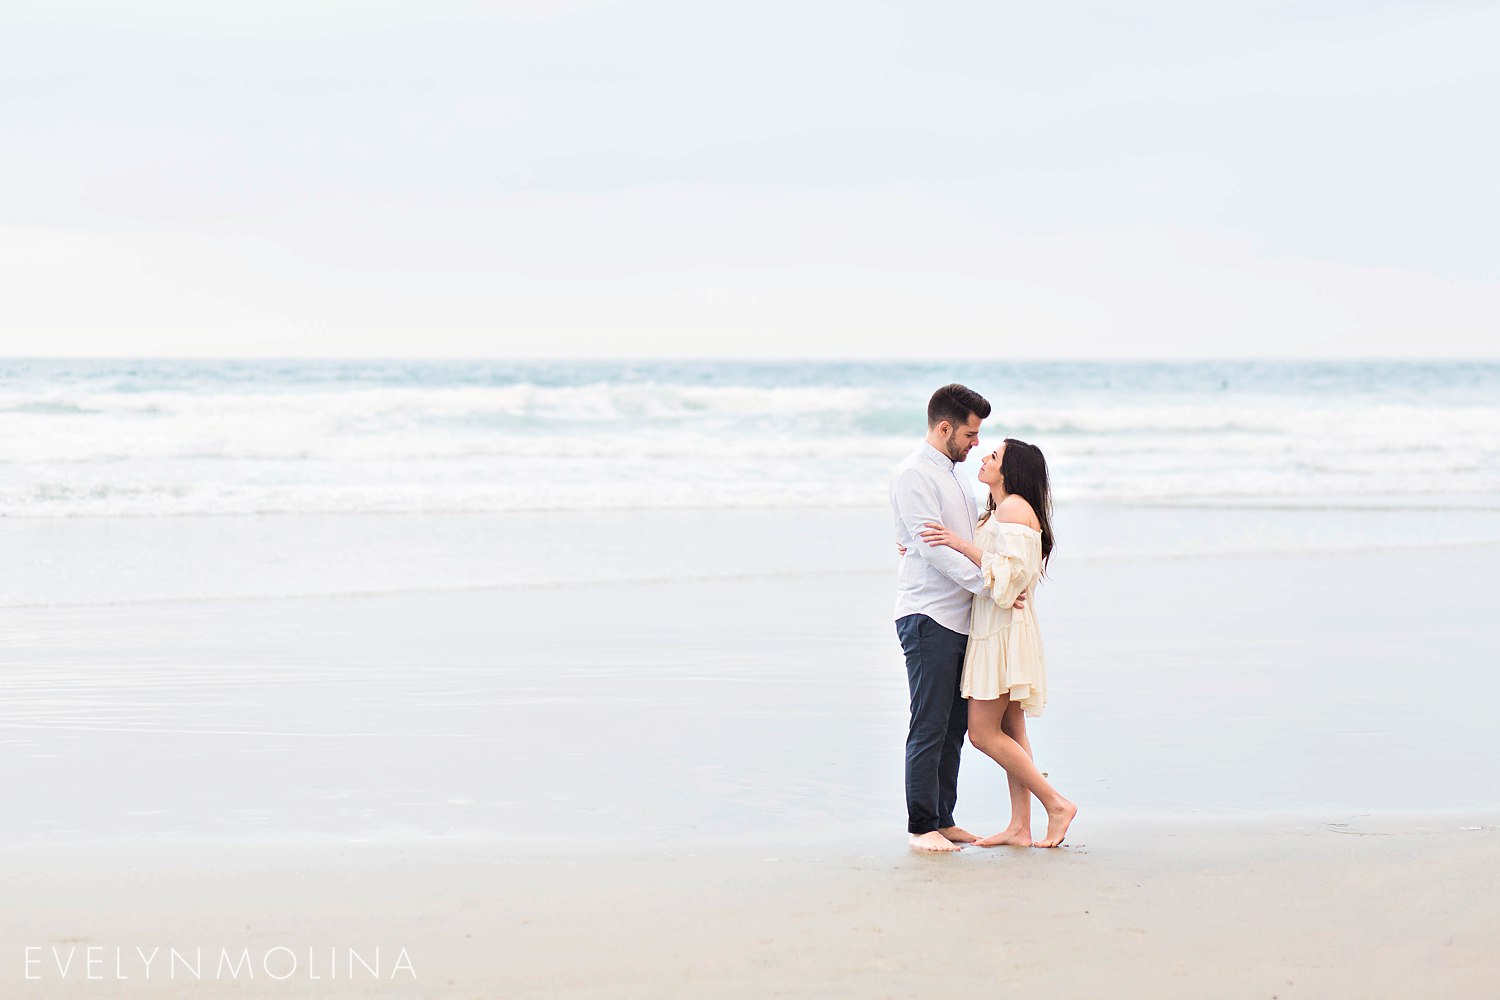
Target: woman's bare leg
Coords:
[[1018, 834], [987, 733], [988, 720]]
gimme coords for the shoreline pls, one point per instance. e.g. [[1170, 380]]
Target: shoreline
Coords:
[[165, 559]]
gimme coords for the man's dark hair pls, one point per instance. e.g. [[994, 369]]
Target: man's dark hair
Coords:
[[954, 403]]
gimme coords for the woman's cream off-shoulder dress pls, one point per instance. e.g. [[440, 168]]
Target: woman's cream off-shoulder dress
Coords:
[[1005, 657]]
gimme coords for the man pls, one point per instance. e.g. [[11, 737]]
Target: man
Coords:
[[933, 598]]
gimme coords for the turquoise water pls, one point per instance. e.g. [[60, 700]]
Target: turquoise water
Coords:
[[81, 438]]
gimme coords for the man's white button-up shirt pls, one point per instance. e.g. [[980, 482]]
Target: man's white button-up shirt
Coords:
[[934, 580]]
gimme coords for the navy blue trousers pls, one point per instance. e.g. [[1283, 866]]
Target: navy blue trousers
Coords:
[[939, 719]]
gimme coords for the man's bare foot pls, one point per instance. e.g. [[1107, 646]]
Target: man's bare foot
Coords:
[[932, 841], [958, 835], [1011, 836], [1058, 819]]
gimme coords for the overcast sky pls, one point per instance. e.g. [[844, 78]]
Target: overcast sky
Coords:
[[435, 177]]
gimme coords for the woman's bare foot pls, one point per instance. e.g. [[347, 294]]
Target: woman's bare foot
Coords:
[[958, 835], [1011, 836], [1058, 818], [932, 841]]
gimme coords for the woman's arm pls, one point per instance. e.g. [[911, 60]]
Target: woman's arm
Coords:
[[1003, 592], [936, 534]]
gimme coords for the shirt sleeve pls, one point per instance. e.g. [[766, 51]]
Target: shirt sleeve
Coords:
[[915, 498], [1004, 572]]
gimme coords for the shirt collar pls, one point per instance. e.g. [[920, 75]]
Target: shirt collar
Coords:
[[937, 457]]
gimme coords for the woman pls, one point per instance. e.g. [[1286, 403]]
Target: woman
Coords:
[[1004, 675]]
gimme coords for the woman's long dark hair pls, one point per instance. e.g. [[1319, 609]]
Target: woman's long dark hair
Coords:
[[1025, 470]]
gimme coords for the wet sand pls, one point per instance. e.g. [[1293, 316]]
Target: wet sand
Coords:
[[749, 710], [693, 788]]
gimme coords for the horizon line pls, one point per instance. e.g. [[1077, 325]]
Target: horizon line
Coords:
[[782, 359]]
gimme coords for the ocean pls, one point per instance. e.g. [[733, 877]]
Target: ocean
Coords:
[[105, 438], [124, 481]]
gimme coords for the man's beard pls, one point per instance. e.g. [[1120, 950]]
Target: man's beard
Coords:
[[952, 447]]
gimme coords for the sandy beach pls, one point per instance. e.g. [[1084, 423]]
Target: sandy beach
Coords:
[[692, 788], [1359, 908]]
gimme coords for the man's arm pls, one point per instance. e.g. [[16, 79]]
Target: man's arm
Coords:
[[915, 498]]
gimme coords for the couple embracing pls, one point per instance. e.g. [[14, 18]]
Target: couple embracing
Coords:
[[964, 615]]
